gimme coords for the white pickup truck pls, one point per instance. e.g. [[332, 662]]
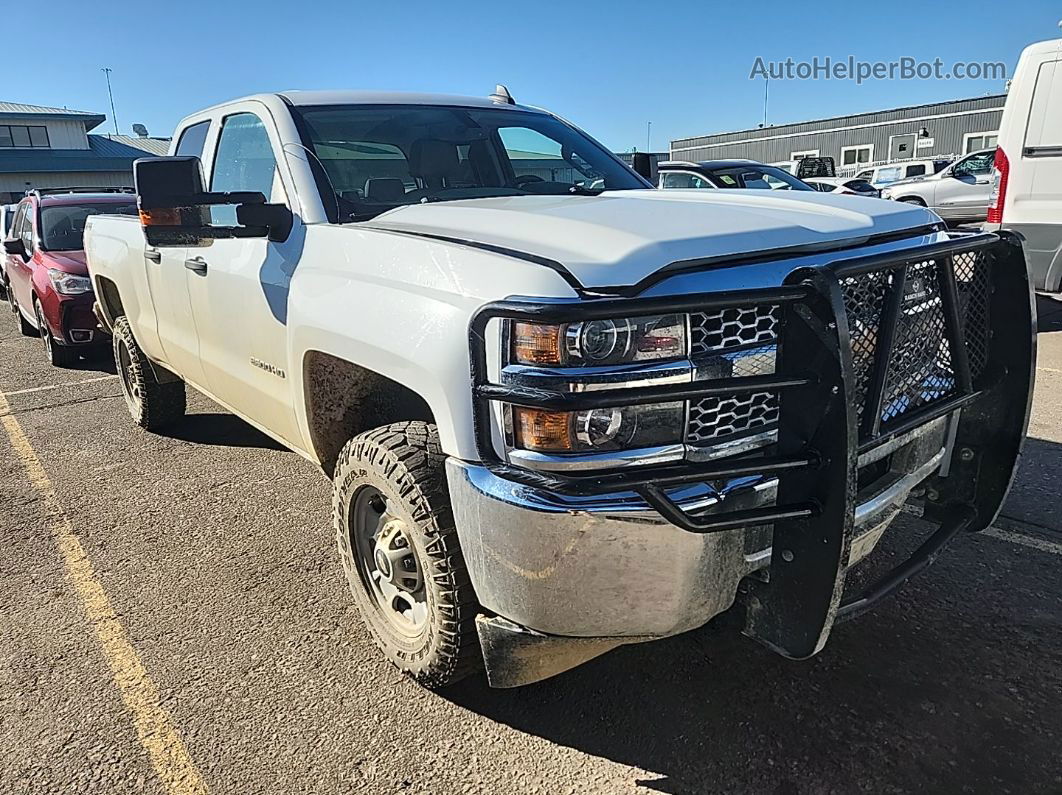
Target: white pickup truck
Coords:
[[564, 411]]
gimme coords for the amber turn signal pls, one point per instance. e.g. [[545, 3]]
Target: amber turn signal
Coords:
[[543, 431], [162, 216], [535, 343]]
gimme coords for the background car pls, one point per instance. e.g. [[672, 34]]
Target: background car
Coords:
[[888, 173], [7, 215], [958, 194], [726, 174], [850, 185], [49, 287]]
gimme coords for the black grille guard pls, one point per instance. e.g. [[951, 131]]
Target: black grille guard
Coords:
[[821, 429]]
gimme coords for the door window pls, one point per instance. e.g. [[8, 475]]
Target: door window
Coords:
[[26, 230], [14, 231], [243, 161], [976, 165], [916, 171]]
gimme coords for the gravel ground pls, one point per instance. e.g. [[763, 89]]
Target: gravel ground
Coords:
[[214, 547]]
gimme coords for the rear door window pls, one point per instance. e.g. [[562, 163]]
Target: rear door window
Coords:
[[193, 139], [916, 171]]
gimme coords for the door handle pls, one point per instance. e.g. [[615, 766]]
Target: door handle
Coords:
[[153, 254], [197, 264]]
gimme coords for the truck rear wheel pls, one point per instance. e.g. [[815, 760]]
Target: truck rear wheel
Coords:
[[152, 404], [398, 545]]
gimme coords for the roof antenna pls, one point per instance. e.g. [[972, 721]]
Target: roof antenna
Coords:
[[501, 96]]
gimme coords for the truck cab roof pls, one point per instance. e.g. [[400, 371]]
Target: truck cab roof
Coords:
[[310, 98], [348, 97]]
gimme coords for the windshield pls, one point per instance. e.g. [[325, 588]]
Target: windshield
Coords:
[[63, 225], [379, 157], [757, 177]]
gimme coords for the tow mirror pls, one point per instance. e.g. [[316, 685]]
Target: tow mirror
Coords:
[[15, 246], [642, 163], [175, 210]]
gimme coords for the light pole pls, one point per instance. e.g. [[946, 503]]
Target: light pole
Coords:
[[114, 116], [648, 136], [766, 86]]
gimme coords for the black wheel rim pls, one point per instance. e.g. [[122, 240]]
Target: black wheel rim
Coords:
[[130, 386], [42, 327], [387, 561]]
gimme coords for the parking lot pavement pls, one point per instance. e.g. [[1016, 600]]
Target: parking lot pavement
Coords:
[[246, 670]]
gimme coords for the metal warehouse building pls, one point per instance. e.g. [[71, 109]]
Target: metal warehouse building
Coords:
[[942, 129]]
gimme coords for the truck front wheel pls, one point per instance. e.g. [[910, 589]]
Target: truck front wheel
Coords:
[[398, 545], [152, 404]]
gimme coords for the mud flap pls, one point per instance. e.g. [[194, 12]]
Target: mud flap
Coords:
[[514, 656]]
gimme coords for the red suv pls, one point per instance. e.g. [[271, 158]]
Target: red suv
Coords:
[[47, 279]]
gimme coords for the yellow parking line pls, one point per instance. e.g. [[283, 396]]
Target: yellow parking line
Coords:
[[156, 732]]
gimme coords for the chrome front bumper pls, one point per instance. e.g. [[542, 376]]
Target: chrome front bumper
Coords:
[[612, 567]]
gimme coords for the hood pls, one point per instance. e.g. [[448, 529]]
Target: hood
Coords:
[[66, 261], [619, 238]]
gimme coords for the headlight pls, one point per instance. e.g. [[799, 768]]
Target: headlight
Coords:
[[590, 343], [68, 283], [599, 430]]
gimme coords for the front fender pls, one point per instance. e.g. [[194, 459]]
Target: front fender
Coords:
[[401, 307]]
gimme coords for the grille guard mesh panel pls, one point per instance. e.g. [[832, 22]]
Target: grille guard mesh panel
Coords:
[[921, 365]]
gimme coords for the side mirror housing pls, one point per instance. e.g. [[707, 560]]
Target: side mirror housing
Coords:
[[642, 163], [15, 246], [175, 210]]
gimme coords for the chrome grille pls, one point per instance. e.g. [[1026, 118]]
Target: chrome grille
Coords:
[[729, 328], [743, 342], [716, 418]]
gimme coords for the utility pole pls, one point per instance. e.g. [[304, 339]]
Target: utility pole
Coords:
[[114, 116], [766, 86], [648, 136]]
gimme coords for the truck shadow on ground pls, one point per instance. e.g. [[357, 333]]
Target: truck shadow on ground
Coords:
[[219, 429], [938, 690], [1049, 312]]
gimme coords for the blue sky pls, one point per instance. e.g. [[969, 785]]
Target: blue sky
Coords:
[[608, 66]]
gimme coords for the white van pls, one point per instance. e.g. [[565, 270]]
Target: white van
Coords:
[[888, 173], [1027, 178]]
